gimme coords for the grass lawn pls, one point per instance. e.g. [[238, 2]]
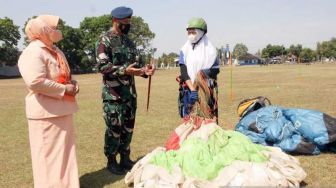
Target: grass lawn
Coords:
[[301, 86]]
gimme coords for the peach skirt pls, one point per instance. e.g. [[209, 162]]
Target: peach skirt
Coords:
[[52, 144]]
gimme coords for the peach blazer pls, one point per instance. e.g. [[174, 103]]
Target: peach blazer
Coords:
[[39, 70]]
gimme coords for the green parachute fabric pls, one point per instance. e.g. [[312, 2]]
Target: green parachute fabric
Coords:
[[204, 159]]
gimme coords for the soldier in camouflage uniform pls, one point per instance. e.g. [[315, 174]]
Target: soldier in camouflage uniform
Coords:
[[117, 61]]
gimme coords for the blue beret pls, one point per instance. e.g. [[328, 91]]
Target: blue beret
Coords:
[[121, 12]]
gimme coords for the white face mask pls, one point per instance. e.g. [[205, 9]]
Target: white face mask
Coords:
[[56, 36], [193, 38]]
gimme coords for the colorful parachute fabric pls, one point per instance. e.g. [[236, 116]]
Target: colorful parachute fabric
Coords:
[[294, 130], [212, 157]]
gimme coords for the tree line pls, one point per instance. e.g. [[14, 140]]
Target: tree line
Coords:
[[324, 50], [79, 44]]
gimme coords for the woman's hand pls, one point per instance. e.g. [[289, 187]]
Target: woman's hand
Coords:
[[70, 89], [74, 82], [190, 85]]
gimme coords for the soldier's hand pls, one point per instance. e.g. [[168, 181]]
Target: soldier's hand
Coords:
[[149, 70], [130, 70]]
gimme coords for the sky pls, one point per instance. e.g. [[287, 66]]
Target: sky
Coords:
[[254, 23]]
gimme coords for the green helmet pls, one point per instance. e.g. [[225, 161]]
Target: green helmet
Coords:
[[197, 23]]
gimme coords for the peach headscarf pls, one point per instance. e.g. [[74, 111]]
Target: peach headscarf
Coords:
[[41, 28]]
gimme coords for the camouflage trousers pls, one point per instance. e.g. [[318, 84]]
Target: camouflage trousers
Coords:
[[119, 119]]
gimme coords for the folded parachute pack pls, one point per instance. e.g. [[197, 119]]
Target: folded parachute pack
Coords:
[[299, 131]]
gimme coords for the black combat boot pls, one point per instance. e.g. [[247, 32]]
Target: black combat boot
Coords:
[[114, 167], [125, 162]]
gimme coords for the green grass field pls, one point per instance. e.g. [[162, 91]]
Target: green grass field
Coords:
[[301, 86]]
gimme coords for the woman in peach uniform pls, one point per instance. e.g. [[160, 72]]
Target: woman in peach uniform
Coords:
[[50, 105]]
